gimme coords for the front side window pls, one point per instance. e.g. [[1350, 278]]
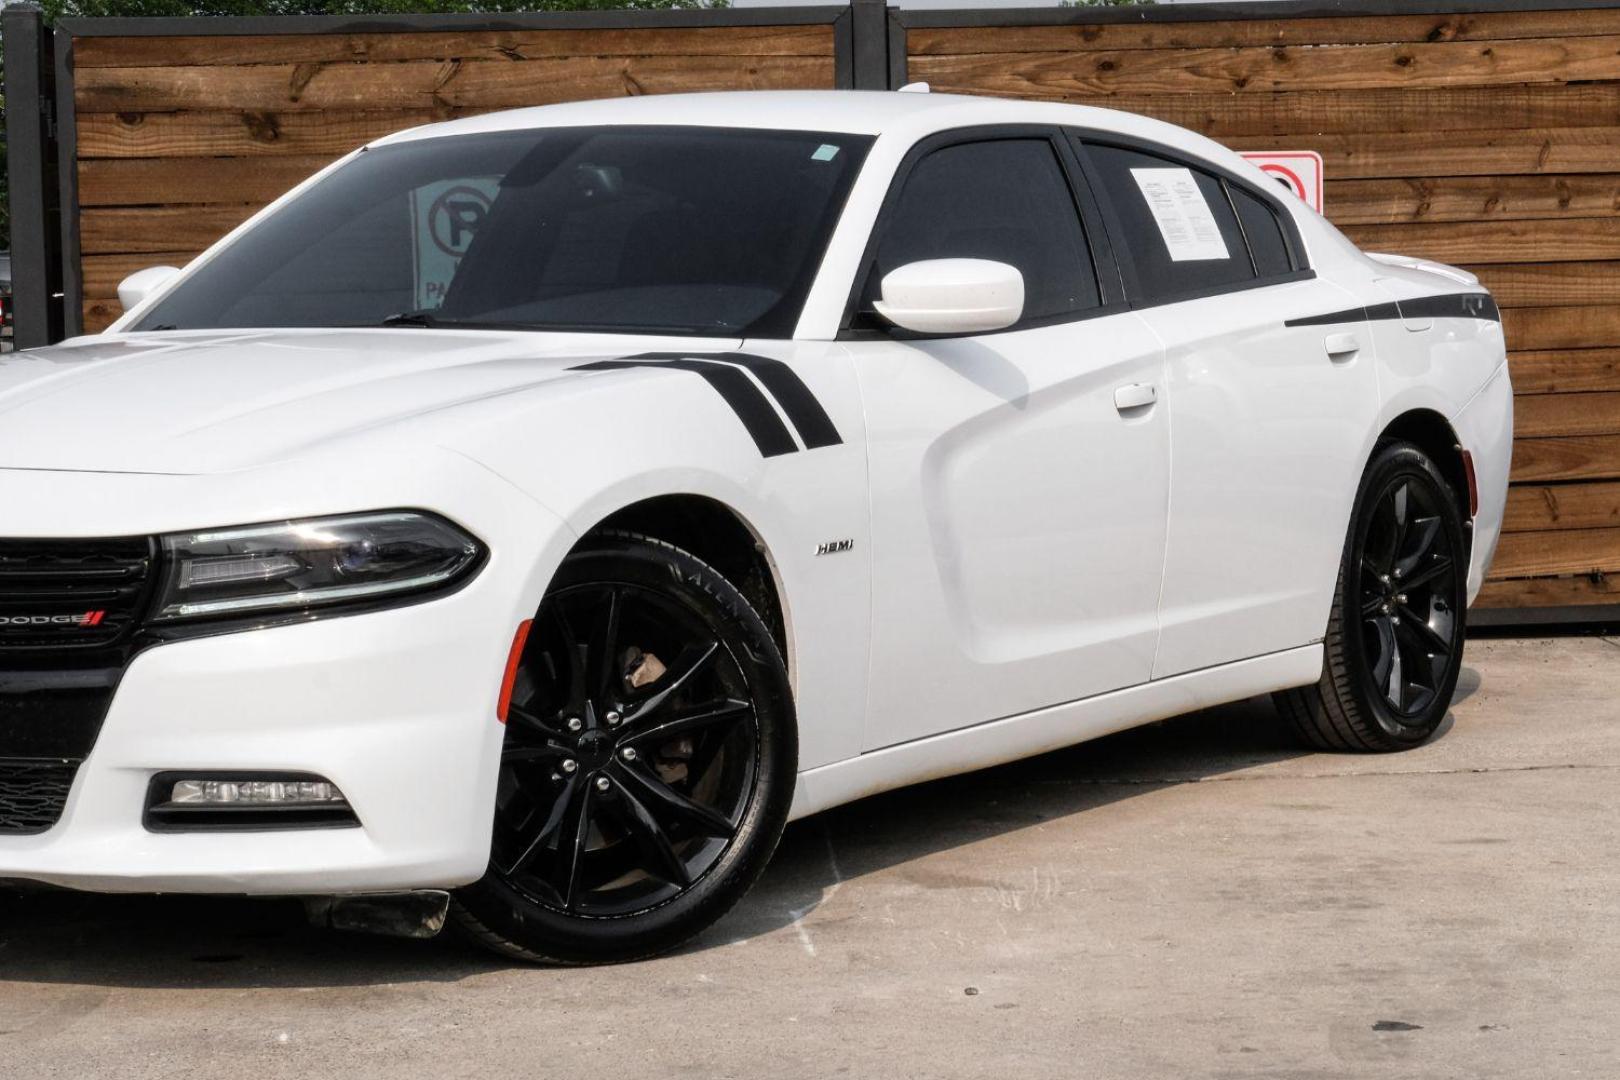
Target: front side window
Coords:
[[1181, 232], [1007, 200], [696, 231]]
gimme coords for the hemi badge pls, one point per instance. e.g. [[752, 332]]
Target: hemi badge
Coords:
[[835, 547]]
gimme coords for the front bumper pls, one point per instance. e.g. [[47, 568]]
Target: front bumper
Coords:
[[396, 707]]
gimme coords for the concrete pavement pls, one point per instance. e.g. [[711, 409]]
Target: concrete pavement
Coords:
[[1199, 898]]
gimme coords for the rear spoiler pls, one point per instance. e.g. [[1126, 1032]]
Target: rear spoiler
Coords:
[[1428, 266]]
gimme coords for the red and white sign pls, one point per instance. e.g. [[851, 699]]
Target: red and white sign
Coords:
[[1300, 171]]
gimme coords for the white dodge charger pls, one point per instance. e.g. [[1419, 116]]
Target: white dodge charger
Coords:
[[544, 508]]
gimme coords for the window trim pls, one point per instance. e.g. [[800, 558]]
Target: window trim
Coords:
[[1080, 139], [1093, 227]]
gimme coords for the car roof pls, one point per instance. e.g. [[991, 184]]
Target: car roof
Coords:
[[844, 111]]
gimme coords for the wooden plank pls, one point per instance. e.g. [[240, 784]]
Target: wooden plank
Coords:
[[1550, 592], [244, 133], [1564, 371], [97, 315], [418, 84], [1471, 198], [1307, 114], [1505, 152], [1541, 416], [1551, 284], [106, 231], [1561, 327], [172, 181], [1572, 551], [1321, 67], [1569, 240], [1537, 508], [1237, 33], [1589, 457], [102, 273], [234, 50]]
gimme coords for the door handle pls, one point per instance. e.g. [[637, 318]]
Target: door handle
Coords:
[[1342, 346], [1135, 396]]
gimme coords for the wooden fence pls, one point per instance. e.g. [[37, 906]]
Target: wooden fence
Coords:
[[1487, 138], [1484, 133]]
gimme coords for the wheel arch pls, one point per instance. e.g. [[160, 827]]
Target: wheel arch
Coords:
[[721, 536]]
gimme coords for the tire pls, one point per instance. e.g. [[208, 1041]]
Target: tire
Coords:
[[649, 763], [1395, 635]]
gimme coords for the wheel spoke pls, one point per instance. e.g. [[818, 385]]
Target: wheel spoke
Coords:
[[714, 714], [608, 647], [651, 839], [1420, 635], [1386, 669], [565, 799], [520, 752], [1420, 539], [573, 833], [528, 721], [1438, 568], [574, 651], [693, 659], [662, 798]]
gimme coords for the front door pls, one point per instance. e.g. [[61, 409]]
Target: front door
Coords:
[[1019, 479]]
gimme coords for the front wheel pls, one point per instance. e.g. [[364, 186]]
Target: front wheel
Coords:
[[649, 761], [1394, 641]]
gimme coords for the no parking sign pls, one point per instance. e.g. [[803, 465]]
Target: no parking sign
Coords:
[[1300, 171]]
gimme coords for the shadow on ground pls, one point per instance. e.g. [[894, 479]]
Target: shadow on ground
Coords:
[[205, 943]]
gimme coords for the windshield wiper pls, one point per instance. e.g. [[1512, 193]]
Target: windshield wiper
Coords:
[[412, 318]]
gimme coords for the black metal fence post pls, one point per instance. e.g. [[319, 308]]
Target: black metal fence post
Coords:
[[36, 255], [871, 30]]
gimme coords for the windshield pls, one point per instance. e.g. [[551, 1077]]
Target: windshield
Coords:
[[698, 231]]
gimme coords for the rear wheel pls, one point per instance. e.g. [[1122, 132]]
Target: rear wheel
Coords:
[[648, 764], [1395, 636]]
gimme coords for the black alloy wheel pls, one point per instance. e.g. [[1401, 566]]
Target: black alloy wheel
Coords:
[[648, 763], [1395, 636]]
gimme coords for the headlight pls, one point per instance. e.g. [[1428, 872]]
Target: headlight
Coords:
[[315, 563]]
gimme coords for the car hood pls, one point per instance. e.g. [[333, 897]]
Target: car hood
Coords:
[[210, 402]]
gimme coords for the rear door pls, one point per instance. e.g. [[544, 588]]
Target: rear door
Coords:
[[1269, 412]]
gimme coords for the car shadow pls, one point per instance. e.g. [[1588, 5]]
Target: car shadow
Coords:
[[186, 942]]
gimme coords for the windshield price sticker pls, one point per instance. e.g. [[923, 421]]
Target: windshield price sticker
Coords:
[[1182, 214]]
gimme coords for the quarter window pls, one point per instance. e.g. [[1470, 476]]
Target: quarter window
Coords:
[[1006, 200], [1263, 231], [1181, 232]]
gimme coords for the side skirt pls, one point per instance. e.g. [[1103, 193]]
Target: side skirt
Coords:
[[1028, 734]]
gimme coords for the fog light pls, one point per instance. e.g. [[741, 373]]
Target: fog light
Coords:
[[254, 802], [255, 793]]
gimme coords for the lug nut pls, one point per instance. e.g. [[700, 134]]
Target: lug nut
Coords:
[[628, 753], [601, 783], [569, 765], [613, 719], [1401, 599], [575, 723]]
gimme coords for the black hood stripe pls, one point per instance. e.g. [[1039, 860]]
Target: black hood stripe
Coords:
[[736, 389], [1470, 305], [799, 404]]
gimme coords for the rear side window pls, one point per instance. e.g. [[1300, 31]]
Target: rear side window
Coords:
[[1263, 231], [1178, 226], [1006, 200]]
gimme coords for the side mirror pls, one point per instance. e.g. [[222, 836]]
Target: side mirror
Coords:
[[143, 283], [952, 296]]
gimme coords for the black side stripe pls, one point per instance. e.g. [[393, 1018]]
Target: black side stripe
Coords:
[[1450, 306], [799, 404], [735, 389]]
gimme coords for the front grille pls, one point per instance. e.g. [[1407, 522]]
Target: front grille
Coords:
[[71, 594], [33, 793]]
